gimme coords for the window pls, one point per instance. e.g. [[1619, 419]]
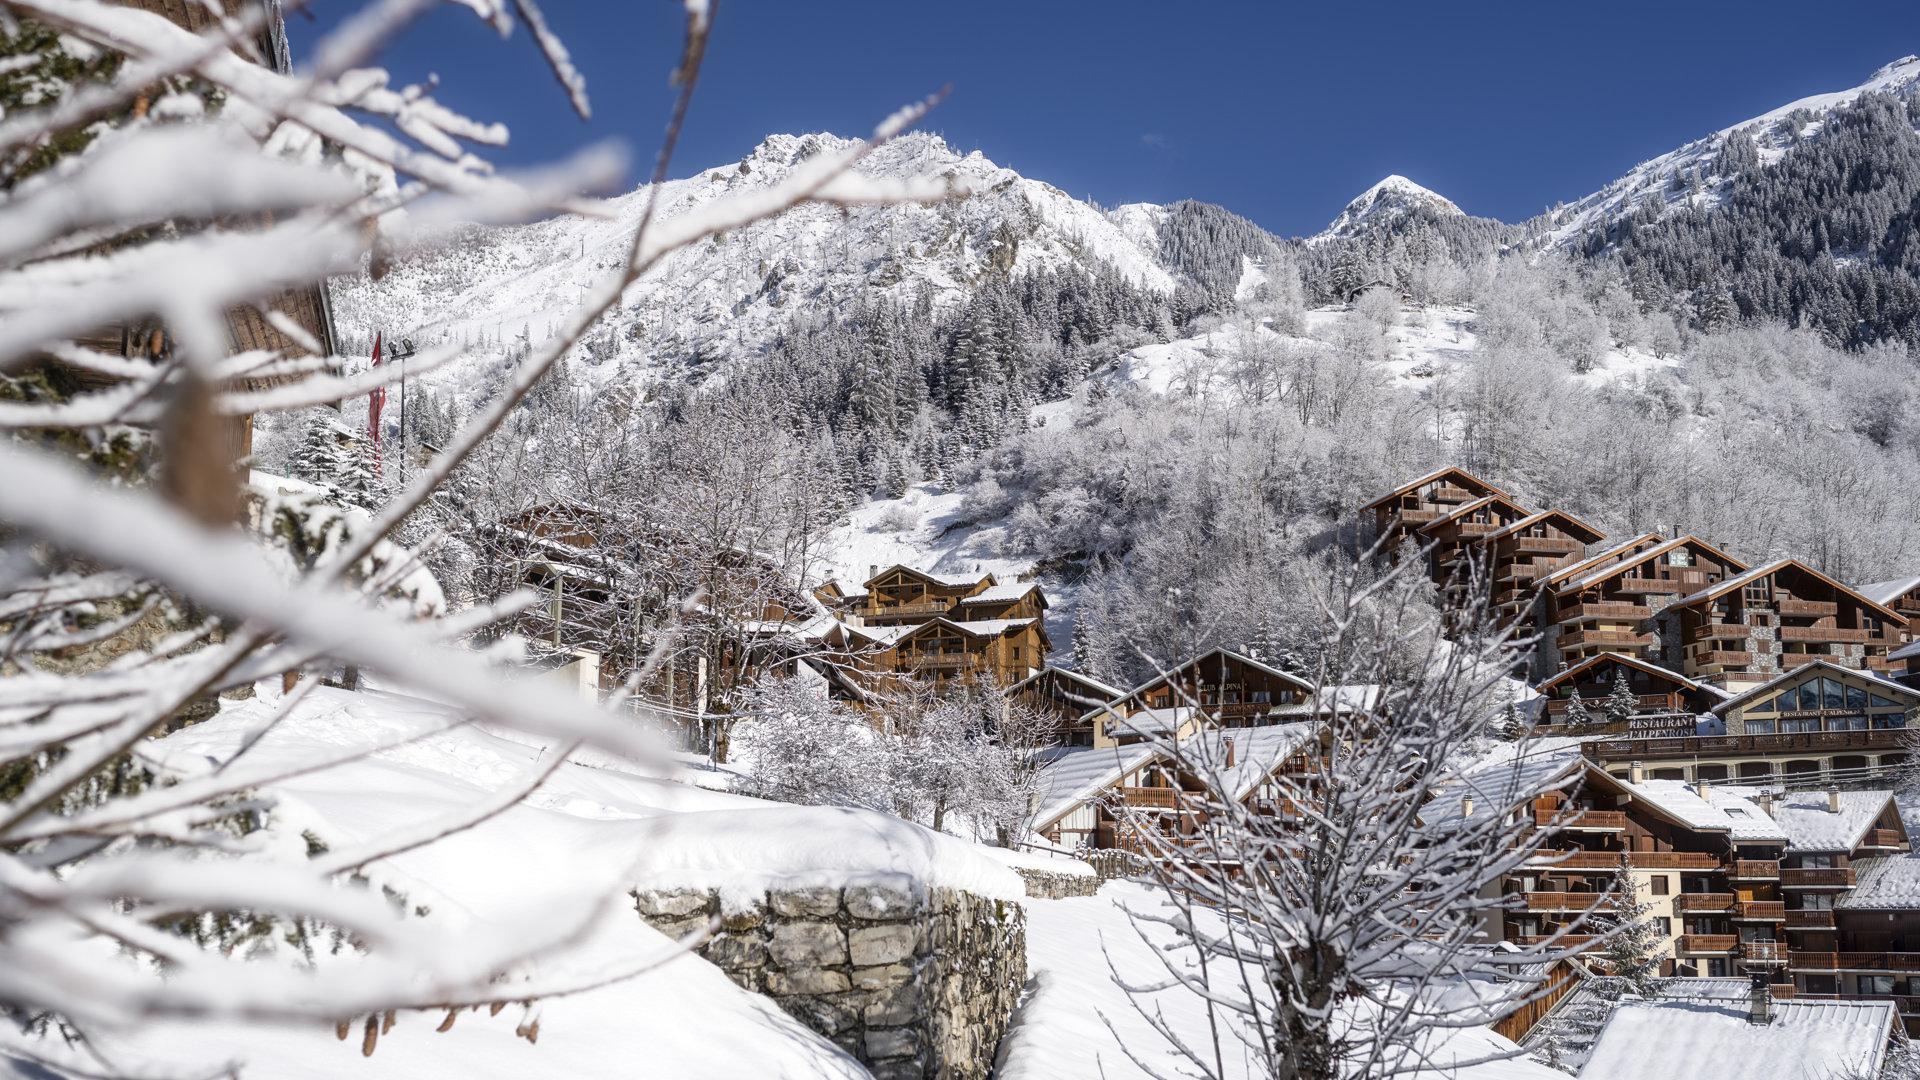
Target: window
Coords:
[[1679, 557], [1261, 697], [1886, 703], [1889, 720], [1815, 901], [1832, 695], [1816, 862], [1660, 884], [1856, 699], [1846, 723], [1716, 969], [1664, 925], [1765, 706], [1759, 727], [1800, 723], [1876, 984]]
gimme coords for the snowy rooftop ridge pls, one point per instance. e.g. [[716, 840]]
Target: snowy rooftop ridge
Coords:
[[1703, 1040]]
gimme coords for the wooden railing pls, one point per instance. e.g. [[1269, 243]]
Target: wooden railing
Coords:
[[1662, 702], [1760, 911], [1825, 633], [1718, 631], [1708, 943], [1720, 658], [1606, 609], [1582, 638], [1150, 798], [1712, 901], [1752, 869], [1810, 919], [1642, 860], [942, 660], [1649, 585], [1836, 877], [1884, 838], [1562, 901], [1542, 545], [902, 611], [1568, 941], [1807, 608], [1611, 820], [1855, 961], [1447, 493], [1417, 517], [1692, 745], [1763, 952]]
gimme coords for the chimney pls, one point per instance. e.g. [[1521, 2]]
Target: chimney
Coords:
[[1760, 1000], [1466, 806], [1833, 799], [1701, 789], [1635, 773], [1229, 742], [1765, 800]]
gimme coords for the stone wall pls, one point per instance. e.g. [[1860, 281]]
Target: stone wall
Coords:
[[1054, 885], [914, 982]]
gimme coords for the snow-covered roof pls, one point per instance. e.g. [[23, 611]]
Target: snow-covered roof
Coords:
[[1616, 551], [1466, 508], [1741, 579], [1494, 788], [986, 627], [1905, 652], [1070, 775], [1539, 516], [1000, 594], [1102, 692], [1638, 557], [1437, 474], [1889, 884], [1722, 810], [1811, 824], [1327, 700], [1622, 658], [1808, 670], [1257, 751], [1110, 708], [1886, 592], [1703, 1040], [951, 580]]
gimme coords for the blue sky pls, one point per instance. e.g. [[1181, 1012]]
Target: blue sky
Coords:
[[1279, 111]]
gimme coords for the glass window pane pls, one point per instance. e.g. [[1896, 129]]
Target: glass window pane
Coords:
[[1759, 727], [1764, 707], [1879, 701], [1856, 698], [1833, 695]]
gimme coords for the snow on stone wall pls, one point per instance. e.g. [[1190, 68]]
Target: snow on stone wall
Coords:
[[914, 982]]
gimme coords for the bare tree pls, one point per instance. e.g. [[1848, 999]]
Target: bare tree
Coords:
[[163, 193], [1333, 922]]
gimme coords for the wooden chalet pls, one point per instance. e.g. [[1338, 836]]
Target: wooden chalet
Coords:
[[945, 650], [1663, 699], [1611, 604], [1454, 538], [1518, 555], [1815, 725], [1066, 696], [1108, 796], [1903, 596], [1743, 629], [1706, 859], [1416, 503], [903, 594], [1218, 688]]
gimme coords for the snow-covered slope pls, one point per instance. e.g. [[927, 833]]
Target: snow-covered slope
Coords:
[[729, 295], [1771, 131], [1385, 202]]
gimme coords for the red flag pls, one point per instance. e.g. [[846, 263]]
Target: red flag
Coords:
[[375, 401]]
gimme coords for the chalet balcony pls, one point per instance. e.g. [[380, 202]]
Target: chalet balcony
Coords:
[[1541, 545], [1792, 661], [1477, 528], [1411, 516], [1583, 820], [1642, 860], [1825, 634], [1707, 944], [1836, 877], [1718, 658], [1609, 609], [1753, 869], [1561, 902], [1687, 746], [1884, 840], [1813, 609], [942, 661], [1609, 639], [927, 609], [1447, 493], [1644, 702], [1151, 798], [1634, 586], [1760, 911], [1887, 962], [1696, 903], [1763, 952], [1810, 919], [1568, 941], [1719, 631], [1516, 574]]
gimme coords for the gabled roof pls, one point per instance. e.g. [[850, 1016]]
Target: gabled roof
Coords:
[[1886, 592], [1889, 884], [1905, 652], [976, 628], [1558, 515], [1588, 581], [1070, 775], [1469, 507], [1005, 594], [1723, 810], [1096, 692], [1655, 670], [1807, 670], [949, 580], [1714, 1040], [1210, 654], [1599, 558], [1758, 572], [1466, 480], [1812, 824]]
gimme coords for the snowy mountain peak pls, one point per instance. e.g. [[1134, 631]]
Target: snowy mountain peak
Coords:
[[1392, 198], [1906, 65]]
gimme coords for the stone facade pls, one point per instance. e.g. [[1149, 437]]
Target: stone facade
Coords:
[[913, 982], [1051, 885]]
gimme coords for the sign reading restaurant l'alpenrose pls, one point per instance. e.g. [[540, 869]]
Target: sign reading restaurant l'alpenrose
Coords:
[[1665, 724]]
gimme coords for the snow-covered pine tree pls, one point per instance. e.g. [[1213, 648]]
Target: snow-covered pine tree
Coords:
[[1622, 702], [331, 455], [1633, 951], [1577, 714]]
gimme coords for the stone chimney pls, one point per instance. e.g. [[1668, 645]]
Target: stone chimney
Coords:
[[1635, 772], [1229, 742], [1466, 806], [1760, 1000], [1833, 799], [1701, 788], [1765, 801]]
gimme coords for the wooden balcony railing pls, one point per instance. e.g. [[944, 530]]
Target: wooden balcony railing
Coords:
[[1562, 901], [1634, 585], [1836, 877], [1708, 943], [1825, 633], [1752, 869], [1760, 911], [1609, 609], [1854, 961], [1686, 746], [1417, 517], [903, 611], [1610, 638], [942, 661], [1447, 493], [1719, 631], [1720, 658], [1150, 798], [1807, 608], [1476, 528], [1810, 919], [1644, 702], [1642, 860], [1884, 839], [1583, 820], [1541, 545], [1689, 903], [1763, 952], [1569, 941]]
